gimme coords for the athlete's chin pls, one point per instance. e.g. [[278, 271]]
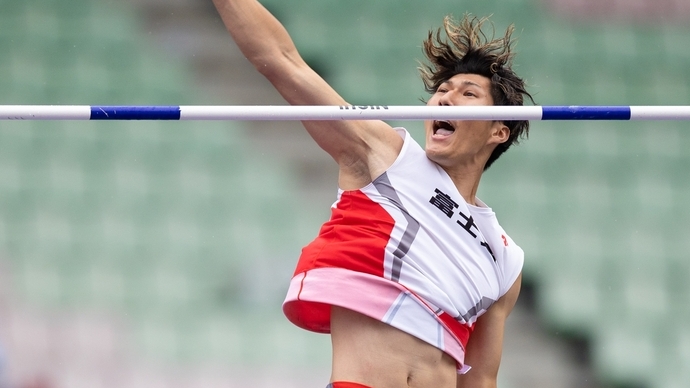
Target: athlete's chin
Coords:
[[436, 156]]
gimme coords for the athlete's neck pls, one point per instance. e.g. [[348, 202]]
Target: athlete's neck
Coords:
[[466, 180]]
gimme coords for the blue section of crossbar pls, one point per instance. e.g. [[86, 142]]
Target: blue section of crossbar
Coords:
[[586, 113], [135, 113]]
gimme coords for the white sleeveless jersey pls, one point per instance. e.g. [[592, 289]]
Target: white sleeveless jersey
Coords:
[[407, 250]]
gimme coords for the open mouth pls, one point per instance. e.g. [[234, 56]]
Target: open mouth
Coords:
[[443, 128]]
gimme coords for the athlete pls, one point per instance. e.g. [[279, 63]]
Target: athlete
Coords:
[[412, 276]]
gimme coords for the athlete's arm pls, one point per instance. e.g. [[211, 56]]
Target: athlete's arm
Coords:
[[485, 345], [363, 149]]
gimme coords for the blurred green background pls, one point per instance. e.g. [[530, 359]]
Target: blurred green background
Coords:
[[146, 253]]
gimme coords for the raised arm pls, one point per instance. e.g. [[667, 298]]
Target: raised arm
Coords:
[[485, 346], [363, 149]]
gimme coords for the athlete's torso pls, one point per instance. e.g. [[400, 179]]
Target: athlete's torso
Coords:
[[410, 232], [412, 226]]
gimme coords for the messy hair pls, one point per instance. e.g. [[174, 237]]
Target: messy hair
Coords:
[[466, 49]]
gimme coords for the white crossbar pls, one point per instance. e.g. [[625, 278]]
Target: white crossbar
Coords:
[[363, 112]]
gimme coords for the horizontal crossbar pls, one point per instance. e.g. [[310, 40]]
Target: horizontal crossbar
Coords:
[[364, 112]]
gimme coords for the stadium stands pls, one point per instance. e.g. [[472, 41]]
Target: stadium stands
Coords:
[[166, 222], [176, 226]]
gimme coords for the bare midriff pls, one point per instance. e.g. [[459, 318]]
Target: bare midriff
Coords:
[[373, 353]]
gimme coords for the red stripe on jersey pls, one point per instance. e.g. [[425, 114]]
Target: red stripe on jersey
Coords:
[[460, 330], [355, 237]]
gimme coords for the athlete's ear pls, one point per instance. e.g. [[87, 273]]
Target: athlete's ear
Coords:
[[501, 133]]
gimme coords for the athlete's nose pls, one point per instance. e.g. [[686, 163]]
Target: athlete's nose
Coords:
[[446, 99]]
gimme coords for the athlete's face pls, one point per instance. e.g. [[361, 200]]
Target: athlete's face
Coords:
[[462, 142]]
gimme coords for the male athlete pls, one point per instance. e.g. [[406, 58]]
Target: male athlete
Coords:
[[412, 276]]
